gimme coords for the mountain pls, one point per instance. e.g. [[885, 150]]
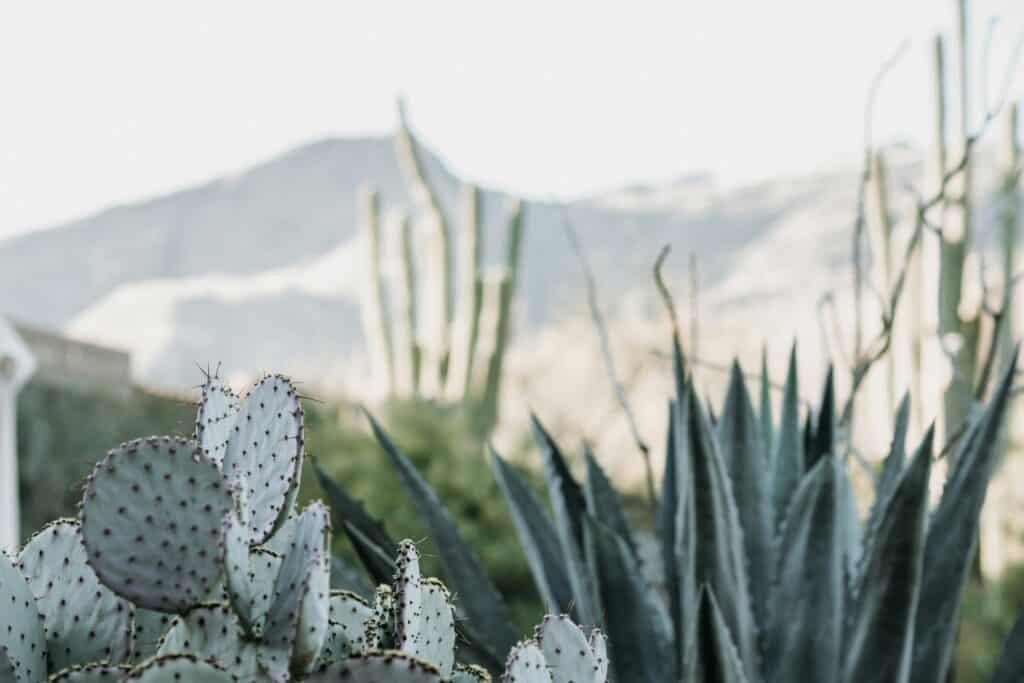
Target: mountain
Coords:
[[261, 271]]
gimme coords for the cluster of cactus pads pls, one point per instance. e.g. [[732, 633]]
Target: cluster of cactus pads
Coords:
[[190, 562], [766, 571]]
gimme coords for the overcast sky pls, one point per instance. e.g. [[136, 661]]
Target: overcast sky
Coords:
[[109, 102]]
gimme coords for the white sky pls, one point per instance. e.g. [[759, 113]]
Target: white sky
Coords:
[[108, 102]]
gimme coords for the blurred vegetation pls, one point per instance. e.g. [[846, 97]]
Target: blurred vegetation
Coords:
[[63, 432], [989, 612], [440, 440]]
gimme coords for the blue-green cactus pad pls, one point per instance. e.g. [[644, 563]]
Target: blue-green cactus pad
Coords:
[[264, 455], [151, 523], [250, 575], [526, 664], [21, 627], [215, 418], [377, 667], [213, 633], [296, 579], [567, 651], [178, 669], [91, 673], [148, 628], [84, 621]]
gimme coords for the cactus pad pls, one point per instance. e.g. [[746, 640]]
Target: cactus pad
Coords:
[[349, 615], [567, 651], [264, 454], [151, 523], [314, 614], [213, 633], [250, 575], [470, 674], [21, 629], [430, 628], [6, 667], [305, 557], [215, 419], [83, 620], [178, 668], [91, 673], [148, 628], [386, 665], [526, 664], [380, 629]]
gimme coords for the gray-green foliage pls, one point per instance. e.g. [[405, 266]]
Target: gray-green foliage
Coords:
[[768, 573], [189, 561]]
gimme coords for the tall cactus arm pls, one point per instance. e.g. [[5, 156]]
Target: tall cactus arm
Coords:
[[492, 388], [375, 319], [439, 249], [407, 363]]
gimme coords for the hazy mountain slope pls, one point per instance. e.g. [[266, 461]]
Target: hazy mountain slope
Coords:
[[263, 268]]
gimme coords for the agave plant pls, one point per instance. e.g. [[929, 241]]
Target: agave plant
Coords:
[[768, 573]]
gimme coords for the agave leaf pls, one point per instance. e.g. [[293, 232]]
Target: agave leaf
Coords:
[[953, 537], [685, 601], [746, 460], [1010, 667], [669, 514], [537, 536], [823, 438], [561, 484], [713, 658], [765, 412], [604, 503], [480, 600], [804, 641], [375, 559], [892, 471], [720, 559], [569, 505], [880, 631], [788, 455], [638, 630]]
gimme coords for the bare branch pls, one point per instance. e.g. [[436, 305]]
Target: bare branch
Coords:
[[666, 295], [606, 352]]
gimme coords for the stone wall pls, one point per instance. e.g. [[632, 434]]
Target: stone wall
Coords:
[[75, 364]]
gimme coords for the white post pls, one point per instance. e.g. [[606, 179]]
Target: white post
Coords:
[[16, 365]]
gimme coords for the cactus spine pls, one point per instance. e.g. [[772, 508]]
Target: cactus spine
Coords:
[[375, 318]]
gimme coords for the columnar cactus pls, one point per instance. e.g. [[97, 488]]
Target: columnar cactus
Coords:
[[436, 354]]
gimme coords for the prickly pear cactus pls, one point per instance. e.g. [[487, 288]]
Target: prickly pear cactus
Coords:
[[189, 562], [152, 523], [21, 628], [83, 620], [526, 664], [263, 455]]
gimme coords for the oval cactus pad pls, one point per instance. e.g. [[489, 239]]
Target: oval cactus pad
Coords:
[[152, 523]]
